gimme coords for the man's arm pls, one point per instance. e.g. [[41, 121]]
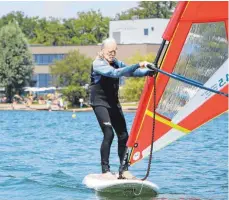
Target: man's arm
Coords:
[[140, 72], [100, 66]]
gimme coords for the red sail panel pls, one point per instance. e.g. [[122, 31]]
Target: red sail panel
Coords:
[[171, 27], [176, 114]]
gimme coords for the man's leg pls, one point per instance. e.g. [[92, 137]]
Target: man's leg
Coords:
[[119, 124], [103, 118]]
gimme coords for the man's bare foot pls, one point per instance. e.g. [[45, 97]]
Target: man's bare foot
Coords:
[[108, 175], [128, 175]]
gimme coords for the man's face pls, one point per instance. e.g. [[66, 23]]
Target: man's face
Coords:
[[109, 51]]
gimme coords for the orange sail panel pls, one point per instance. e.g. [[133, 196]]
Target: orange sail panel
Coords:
[[198, 50]]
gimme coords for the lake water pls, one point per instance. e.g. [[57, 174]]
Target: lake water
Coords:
[[46, 155]]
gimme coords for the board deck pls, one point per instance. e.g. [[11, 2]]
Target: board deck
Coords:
[[120, 187]]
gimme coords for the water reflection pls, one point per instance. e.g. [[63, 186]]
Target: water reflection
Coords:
[[100, 196]]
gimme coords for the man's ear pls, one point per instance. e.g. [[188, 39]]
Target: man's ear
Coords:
[[100, 54]]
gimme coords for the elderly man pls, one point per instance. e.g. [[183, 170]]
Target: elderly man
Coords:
[[105, 74]]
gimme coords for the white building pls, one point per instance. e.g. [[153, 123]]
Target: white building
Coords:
[[138, 31]]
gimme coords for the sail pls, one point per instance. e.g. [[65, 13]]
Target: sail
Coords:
[[197, 49]]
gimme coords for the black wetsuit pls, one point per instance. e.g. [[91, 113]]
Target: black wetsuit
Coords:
[[105, 103]]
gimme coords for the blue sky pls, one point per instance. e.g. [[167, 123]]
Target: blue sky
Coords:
[[64, 9]]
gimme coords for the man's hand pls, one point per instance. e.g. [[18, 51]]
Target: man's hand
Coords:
[[143, 64]]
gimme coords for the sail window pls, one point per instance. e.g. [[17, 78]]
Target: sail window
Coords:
[[204, 51]]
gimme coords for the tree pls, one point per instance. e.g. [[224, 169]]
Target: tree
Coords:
[[16, 64], [133, 87], [51, 32], [89, 28], [73, 73], [27, 24], [149, 9]]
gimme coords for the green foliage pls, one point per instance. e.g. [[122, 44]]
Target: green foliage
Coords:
[[27, 24], [149, 9], [138, 57], [91, 27], [73, 93], [88, 28], [15, 60], [51, 32], [72, 73], [133, 87]]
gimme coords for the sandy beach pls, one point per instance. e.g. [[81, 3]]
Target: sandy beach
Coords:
[[37, 107]]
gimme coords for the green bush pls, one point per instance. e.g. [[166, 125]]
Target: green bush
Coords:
[[133, 87]]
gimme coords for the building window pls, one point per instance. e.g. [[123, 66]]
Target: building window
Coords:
[[43, 80], [47, 59], [146, 31]]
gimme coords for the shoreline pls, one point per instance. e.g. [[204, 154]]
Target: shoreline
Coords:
[[36, 107]]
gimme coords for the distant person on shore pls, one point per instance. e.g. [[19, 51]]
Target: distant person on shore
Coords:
[[29, 101], [105, 73], [16, 99], [3, 100], [49, 102], [60, 103], [81, 102]]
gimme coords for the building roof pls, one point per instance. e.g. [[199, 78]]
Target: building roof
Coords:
[[132, 31]]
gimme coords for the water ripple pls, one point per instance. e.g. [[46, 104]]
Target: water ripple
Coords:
[[45, 155]]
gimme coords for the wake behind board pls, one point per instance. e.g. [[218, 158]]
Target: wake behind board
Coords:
[[120, 187]]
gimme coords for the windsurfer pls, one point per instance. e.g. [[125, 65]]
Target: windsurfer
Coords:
[[105, 73]]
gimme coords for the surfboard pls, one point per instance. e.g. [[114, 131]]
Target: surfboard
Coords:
[[120, 187]]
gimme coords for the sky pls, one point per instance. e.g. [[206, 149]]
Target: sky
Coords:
[[64, 9]]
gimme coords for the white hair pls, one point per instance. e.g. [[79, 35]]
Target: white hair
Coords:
[[107, 41]]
